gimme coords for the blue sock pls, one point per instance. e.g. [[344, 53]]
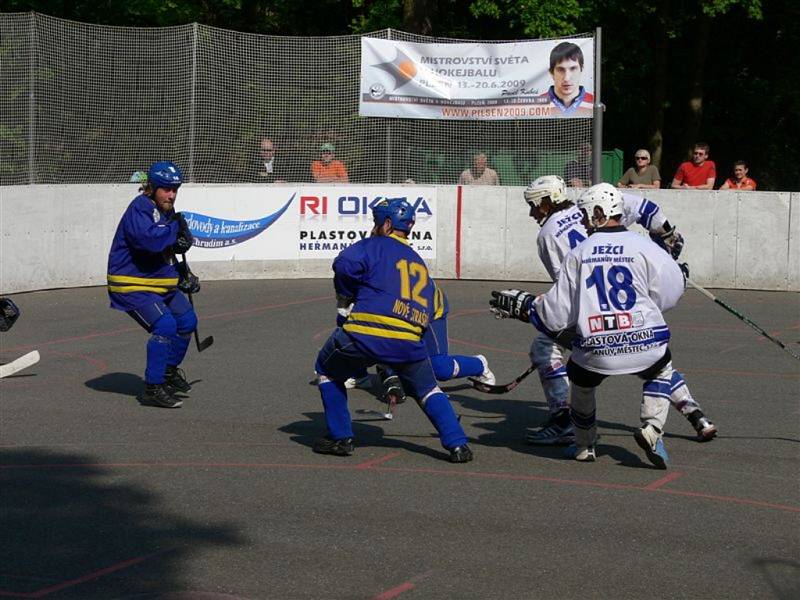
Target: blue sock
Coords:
[[337, 417], [157, 353], [468, 366], [441, 414]]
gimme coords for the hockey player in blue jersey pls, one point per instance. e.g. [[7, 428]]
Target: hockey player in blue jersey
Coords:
[[393, 302], [145, 281]]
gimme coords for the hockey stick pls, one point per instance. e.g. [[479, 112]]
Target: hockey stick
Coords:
[[500, 389], [210, 339], [23, 362], [740, 316]]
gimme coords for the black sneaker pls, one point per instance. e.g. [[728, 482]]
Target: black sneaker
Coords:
[[158, 395], [343, 447], [393, 390], [175, 379], [460, 454], [705, 429]]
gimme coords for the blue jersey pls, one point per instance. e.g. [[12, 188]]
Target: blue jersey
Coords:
[[141, 264], [393, 296]]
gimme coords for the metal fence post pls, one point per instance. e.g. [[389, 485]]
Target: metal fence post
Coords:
[[597, 120], [192, 102], [32, 104]]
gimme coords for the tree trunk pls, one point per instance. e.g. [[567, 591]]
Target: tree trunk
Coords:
[[658, 87], [694, 122], [419, 16]]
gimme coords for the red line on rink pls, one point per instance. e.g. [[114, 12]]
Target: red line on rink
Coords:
[[663, 481], [232, 313], [458, 232], [78, 580], [420, 471], [403, 587], [369, 464]]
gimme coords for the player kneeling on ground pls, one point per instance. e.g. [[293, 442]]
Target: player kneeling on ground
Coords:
[[393, 301], [145, 281], [613, 288]]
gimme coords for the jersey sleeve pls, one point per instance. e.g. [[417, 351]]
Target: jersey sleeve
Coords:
[[349, 269], [646, 213], [142, 233], [556, 309], [666, 280]]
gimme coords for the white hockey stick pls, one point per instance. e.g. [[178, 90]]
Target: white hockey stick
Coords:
[[23, 362]]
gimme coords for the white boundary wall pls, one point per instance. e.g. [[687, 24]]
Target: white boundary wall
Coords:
[[59, 235]]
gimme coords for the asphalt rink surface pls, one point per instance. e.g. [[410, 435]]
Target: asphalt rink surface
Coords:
[[223, 498]]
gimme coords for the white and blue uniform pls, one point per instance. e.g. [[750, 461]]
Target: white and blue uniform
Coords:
[[560, 233]]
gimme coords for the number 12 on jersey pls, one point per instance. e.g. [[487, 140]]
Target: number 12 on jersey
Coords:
[[419, 273], [620, 291]]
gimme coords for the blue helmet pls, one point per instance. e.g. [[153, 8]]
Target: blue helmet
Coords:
[[402, 214], [380, 212], [164, 173]]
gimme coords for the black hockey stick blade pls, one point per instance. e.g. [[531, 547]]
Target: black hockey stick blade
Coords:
[[205, 343], [500, 389]]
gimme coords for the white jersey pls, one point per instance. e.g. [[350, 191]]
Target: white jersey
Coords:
[[613, 288], [562, 231]]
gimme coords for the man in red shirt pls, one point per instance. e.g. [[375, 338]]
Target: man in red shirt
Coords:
[[740, 180], [697, 174]]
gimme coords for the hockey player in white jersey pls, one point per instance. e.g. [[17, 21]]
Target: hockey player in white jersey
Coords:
[[561, 229]]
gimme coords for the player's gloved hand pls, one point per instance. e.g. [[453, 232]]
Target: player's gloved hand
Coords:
[[9, 313], [515, 304], [185, 239], [670, 240], [188, 282]]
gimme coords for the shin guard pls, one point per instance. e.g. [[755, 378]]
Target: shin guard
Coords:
[[582, 413], [437, 408], [334, 401]]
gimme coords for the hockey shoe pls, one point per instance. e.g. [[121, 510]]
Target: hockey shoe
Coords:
[[487, 376], [158, 395], [460, 454], [558, 431], [175, 380], [705, 429], [581, 453], [343, 447], [650, 440]]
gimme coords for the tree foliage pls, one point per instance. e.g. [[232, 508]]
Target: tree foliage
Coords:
[[674, 71]]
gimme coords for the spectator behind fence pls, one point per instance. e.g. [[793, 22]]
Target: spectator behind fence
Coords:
[[567, 96], [328, 169], [479, 173], [697, 174], [642, 174], [268, 168], [578, 173], [740, 180]]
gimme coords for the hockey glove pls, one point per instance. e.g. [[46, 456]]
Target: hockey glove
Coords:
[[685, 270], [185, 239], [188, 282], [9, 313], [670, 240], [515, 304]]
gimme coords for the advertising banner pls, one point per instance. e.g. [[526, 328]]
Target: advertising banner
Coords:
[[295, 222], [540, 79]]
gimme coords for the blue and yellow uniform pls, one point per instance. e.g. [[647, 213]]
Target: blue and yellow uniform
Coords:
[[393, 297], [143, 275], [393, 304]]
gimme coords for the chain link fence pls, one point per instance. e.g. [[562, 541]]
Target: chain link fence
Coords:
[[87, 103]]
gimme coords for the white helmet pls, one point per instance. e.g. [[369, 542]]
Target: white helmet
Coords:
[[548, 186], [603, 196]]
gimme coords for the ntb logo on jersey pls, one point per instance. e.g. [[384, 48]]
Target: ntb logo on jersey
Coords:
[[614, 321]]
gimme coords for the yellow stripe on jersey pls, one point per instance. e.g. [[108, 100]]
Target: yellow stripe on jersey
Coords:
[[162, 281], [438, 303], [384, 320], [378, 332], [127, 289]]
